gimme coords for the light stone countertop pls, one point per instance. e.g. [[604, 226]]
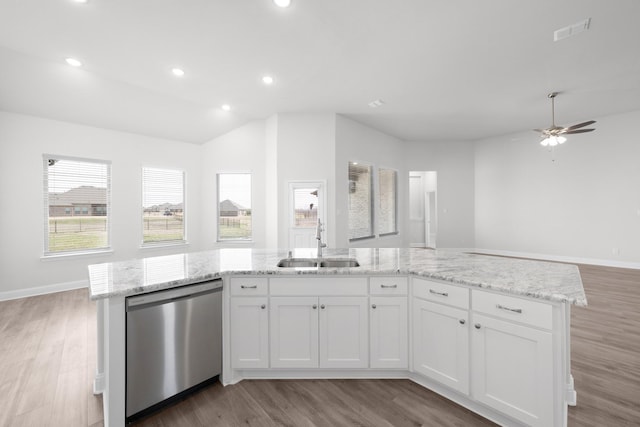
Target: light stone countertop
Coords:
[[536, 279]]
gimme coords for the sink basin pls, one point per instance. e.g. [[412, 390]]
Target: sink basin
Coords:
[[298, 262], [314, 262], [339, 263]]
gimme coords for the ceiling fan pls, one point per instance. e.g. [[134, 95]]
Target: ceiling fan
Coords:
[[553, 135]]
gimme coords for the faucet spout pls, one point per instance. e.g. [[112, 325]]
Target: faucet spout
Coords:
[[321, 245]]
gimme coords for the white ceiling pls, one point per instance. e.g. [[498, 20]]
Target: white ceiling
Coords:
[[446, 69]]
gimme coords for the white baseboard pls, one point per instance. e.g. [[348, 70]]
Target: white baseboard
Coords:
[[41, 290], [560, 258]]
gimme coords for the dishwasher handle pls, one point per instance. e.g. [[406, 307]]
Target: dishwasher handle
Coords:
[[169, 295]]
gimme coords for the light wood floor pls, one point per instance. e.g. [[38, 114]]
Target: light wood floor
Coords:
[[47, 362]]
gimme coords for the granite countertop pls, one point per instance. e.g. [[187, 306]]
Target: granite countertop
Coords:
[[536, 279]]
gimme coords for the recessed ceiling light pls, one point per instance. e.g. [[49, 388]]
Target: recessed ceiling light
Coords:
[[282, 3], [178, 72], [377, 103], [73, 62], [226, 107], [267, 80]]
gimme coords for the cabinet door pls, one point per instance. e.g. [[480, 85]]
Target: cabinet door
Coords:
[[441, 343], [294, 332], [512, 369], [344, 332], [249, 333], [388, 332]]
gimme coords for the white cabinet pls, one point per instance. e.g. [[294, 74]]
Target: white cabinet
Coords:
[[249, 332], [294, 332], [495, 348], [344, 332], [441, 343], [512, 369], [326, 332], [388, 332]]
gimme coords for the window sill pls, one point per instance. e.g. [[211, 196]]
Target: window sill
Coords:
[[393, 233], [235, 242], [357, 239], [164, 245], [72, 255]]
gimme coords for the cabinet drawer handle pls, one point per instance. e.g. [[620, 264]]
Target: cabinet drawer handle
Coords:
[[502, 307], [388, 286], [263, 306], [462, 321], [248, 287], [314, 306], [477, 325], [444, 294], [373, 306], [322, 306]]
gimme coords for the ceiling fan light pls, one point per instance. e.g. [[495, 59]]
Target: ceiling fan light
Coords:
[[561, 139], [544, 142]]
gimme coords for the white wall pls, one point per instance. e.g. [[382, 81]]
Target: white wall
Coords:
[[306, 152], [23, 141], [271, 181], [241, 150], [585, 205], [454, 163], [357, 142]]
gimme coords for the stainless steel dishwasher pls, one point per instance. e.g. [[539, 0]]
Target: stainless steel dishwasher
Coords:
[[174, 344]]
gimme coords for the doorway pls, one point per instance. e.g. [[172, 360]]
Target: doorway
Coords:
[[423, 217], [307, 204]]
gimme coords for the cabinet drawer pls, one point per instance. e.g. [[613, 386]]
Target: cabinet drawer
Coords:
[[248, 286], [319, 286], [512, 308], [388, 286], [456, 296]]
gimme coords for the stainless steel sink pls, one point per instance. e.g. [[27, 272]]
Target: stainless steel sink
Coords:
[[339, 262], [315, 262], [298, 262]]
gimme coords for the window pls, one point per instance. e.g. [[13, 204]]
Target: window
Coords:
[[305, 205], [162, 206], [360, 201], [71, 187], [387, 215], [234, 206]]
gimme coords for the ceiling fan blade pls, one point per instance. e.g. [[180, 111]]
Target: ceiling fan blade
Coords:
[[539, 130], [569, 132], [581, 125]]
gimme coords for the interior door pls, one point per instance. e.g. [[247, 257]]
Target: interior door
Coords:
[[306, 206]]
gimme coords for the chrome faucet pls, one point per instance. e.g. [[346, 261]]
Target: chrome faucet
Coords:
[[321, 245]]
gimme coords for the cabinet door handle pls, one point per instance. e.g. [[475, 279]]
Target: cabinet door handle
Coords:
[[314, 306], [444, 294], [502, 307], [462, 321], [322, 306], [373, 306], [248, 287], [477, 325], [388, 286], [263, 306]]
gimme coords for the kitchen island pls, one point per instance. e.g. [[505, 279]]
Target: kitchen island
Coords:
[[489, 333]]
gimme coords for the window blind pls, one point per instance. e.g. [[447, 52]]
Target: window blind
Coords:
[[163, 206], [76, 204]]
